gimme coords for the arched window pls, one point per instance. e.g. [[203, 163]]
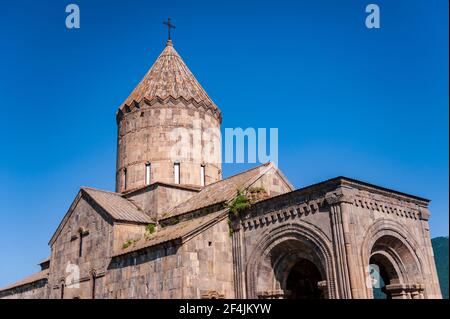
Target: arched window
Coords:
[[62, 290], [202, 175], [80, 248], [176, 173], [124, 178], [93, 283], [147, 174]]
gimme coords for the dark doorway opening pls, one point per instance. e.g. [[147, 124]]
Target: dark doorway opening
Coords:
[[383, 272], [303, 279]]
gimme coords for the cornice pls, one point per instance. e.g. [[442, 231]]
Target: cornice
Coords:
[[191, 103]]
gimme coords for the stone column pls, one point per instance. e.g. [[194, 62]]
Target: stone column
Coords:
[[238, 270], [349, 274], [342, 271], [355, 268], [432, 289]]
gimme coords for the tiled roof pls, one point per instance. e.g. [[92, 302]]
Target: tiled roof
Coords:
[[119, 208], [220, 191], [178, 231], [28, 280], [169, 77]]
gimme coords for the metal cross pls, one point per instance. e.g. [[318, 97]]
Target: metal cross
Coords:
[[169, 25]]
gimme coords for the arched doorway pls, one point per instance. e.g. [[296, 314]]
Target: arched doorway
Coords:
[[394, 269], [303, 281], [288, 259], [383, 273]]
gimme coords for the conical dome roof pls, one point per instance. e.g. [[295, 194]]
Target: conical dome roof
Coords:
[[169, 77]]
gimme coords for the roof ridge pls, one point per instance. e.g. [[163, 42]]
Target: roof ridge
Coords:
[[34, 277], [116, 194], [100, 190], [229, 177], [131, 202]]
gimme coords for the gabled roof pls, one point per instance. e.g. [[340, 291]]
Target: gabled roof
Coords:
[[223, 190], [117, 207], [181, 231], [28, 280], [169, 77]]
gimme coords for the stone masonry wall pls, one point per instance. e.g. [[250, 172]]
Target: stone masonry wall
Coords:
[[201, 265], [208, 263], [97, 247], [159, 199], [125, 232], [163, 134], [272, 183]]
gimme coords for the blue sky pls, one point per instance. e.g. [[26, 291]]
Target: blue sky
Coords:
[[367, 104]]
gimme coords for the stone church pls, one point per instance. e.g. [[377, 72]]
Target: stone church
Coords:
[[174, 228]]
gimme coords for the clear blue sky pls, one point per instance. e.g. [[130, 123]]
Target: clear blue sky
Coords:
[[367, 104]]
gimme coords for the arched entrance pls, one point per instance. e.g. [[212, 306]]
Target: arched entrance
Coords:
[[394, 270], [293, 268], [303, 281], [291, 262], [384, 274]]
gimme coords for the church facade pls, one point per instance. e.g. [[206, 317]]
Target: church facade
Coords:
[[173, 229]]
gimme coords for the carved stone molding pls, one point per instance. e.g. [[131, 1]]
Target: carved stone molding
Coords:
[[338, 196], [391, 209], [212, 294], [289, 213], [273, 294], [188, 103], [406, 291]]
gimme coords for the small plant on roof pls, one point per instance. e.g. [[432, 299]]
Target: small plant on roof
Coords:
[[174, 220], [130, 242], [256, 189], [150, 229], [239, 204]]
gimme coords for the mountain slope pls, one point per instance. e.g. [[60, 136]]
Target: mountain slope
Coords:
[[440, 247]]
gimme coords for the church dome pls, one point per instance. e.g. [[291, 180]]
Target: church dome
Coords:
[[169, 76], [168, 129]]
